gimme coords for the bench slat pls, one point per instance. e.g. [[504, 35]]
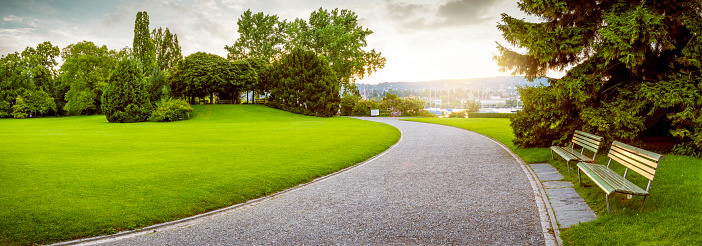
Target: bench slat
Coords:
[[592, 136], [654, 156], [586, 143], [632, 167], [633, 156], [564, 152], [616, 182], [587, 168]]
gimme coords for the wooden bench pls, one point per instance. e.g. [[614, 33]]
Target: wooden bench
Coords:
[[641, 161], [585, 141]]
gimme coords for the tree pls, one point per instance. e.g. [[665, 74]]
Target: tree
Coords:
[[635, 69], [143, 46], [306, 85], [202, 74], [167, 49], [125, 99], [158, 86], [260, 35], [85, 71], [334, 34], [337, 36]]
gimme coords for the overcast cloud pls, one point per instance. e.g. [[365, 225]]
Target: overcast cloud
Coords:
[[422, 40]]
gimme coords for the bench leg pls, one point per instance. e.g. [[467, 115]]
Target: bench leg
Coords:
[[568, 167], [552, 158], [644, 203], [607, 199], [579, 179]]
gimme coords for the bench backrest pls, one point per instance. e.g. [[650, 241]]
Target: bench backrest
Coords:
[[587, 140], [641, 161]]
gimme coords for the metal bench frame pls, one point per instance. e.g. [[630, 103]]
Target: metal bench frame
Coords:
[[641, 161], [585, 141]]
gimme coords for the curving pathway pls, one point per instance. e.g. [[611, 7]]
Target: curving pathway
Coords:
[[438, 185]]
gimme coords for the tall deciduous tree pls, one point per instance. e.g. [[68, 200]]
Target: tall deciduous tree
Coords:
[[635, 69], [143, 46], [334, 34], [260, 35], [85, 71], [168, 51]]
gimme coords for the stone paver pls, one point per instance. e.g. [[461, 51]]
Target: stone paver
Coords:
[[568, 206], [438, 185]]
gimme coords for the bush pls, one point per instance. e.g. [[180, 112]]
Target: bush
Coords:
[[461, 114], [19, 110], [125, 99], [490, 115], [171, 110]]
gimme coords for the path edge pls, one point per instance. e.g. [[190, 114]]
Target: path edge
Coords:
[[218, 212]]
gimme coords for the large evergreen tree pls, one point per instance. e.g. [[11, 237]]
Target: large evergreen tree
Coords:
[[634, 69], [143, 46], [125, 99], [306, 84]]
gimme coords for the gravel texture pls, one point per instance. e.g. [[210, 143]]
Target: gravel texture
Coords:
[[438, 185]]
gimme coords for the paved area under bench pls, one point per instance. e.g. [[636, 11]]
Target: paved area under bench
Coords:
[[568, 206]]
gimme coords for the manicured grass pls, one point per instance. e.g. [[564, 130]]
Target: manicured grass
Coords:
[[673, 210], [74, 177]]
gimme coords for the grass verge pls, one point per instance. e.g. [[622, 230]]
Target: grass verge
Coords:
[[673, 210], [76, 177]]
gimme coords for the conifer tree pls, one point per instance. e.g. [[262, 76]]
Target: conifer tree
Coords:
[[634, 69]]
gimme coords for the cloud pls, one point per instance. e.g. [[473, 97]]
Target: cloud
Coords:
[[451, 13]]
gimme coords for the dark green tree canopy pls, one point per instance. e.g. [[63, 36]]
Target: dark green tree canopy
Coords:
[[125, 99], [306, 84], [634, 69]]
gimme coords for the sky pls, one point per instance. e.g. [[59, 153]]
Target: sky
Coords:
[[423, 40]]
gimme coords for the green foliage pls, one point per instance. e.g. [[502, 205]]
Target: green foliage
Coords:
[[84, 72], [472, 106], [348, 103], [491, 115], [409, 106], [171, 110], [333, 34], [306, 85], [158, 86], [125, 99], [461, 114], [167, 49], [19, 110], [143, 46], [260, 36], [635, 70], [29, 74], [202, 74]]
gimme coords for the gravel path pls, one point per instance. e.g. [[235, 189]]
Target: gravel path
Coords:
[[438, 185]]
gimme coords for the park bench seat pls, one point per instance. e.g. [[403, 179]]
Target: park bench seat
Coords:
[[641, 161], [585, 141]]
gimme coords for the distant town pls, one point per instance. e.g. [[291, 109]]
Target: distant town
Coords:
[[495, 94]]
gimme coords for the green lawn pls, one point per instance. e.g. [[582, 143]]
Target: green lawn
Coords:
[[74, 177], [673, 211]]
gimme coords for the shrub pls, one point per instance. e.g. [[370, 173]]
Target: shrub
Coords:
[[171, 110], [19, 110], [461, 114], [125, 99]]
